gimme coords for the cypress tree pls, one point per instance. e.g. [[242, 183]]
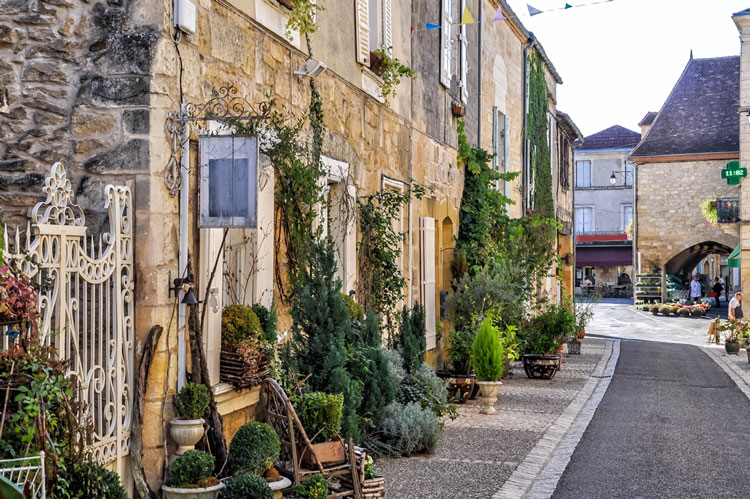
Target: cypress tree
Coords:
[[412, 341], [373, 369]]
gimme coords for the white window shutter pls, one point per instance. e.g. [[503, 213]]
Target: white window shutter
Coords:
[[427, 230], [506, 151], [363, 32], [464, 62], [210, 243], [387, 26], [445, 44]]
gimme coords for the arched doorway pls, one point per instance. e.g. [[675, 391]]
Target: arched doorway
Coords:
[[683, 263]]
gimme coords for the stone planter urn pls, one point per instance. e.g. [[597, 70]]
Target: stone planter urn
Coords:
[[574, 347], [186, 433], [489, 391], [279, 485], [204, 493]]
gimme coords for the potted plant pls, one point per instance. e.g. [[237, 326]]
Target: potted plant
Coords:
[[542, 335], [320, 415], [255, 448], [458, 110], [190, 403], [730, 331], [709, 211], [487, 358], [583, 309], [393, 71], [376, 62], [246, 485], [243, 347], [191, 477], [461, 380]]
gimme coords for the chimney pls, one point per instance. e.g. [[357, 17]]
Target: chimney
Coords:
[[646, 123]]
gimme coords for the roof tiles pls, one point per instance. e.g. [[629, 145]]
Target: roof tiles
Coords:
[[614, 137]]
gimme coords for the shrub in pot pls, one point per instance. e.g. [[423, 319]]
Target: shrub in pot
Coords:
[[320, 414], [191, 404], [253, 449], [246, 485], [541, 335], [92, 480], [487, 358], [191, 477]]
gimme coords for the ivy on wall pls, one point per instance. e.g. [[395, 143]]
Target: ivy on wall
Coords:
[[536, 131]]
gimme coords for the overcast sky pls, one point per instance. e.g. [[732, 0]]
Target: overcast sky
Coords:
[[620, 59]]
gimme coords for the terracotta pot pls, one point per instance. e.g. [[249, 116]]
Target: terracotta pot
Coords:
[[186, 433], [376, 63], [489, 390], [329, 453], [581, 334], [204, 493], [458, 110]]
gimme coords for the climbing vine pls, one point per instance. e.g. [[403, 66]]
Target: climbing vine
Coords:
[[536, 131], [302, 17]]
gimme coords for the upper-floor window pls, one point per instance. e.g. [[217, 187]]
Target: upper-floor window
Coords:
[[373, 28], [627, 216], [628, 174], [583, 173], [584, 219]]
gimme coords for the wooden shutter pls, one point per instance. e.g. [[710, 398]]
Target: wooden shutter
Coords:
[[445, 44], [427, 232], [506, 150], [464, 61], [387, 26], [210, 243], [363, 32]]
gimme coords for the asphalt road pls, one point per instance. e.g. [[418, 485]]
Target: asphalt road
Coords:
[[671, 425]]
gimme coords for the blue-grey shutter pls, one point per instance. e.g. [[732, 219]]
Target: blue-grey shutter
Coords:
[[506, 151]]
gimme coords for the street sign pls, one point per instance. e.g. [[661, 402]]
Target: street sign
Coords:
[[733, 173]]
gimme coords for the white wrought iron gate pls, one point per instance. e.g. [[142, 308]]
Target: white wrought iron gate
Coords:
[[88, 307]]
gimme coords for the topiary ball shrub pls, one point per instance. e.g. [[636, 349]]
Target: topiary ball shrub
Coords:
[[409, 429], [239, 325], [245, 486], [254, 449], [683, 312], [315, 487], [487, 353], [92, 480], [192, 401], [190, 468], [697, 312], [665, 311]]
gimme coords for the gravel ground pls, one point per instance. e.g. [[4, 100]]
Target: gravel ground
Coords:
[[477, 453]]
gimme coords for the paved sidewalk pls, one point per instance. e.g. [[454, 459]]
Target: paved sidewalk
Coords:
[[524, 448]]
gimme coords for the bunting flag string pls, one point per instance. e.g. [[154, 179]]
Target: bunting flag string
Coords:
[[467, 18]]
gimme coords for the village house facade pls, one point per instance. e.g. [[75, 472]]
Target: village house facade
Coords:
[[103, 88]]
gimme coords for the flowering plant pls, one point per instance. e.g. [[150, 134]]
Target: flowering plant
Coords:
[[18, 299]]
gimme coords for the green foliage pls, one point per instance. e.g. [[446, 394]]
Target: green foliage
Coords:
[[239, 326], [268, 320], [487, 353], [253, 449], [190, 468], [320, 415], [89, 480], [315, 487], [2, 246], [542, 334], [710, 211], [302, 17], [393, 71], [244, 486], [381, 283], [192, 401], [426, 389], [459, 350], [583, 308], [412, 340], [320, 327], [356, 312], [536, 133], [409, 429]]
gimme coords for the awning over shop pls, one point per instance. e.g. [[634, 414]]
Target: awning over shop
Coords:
[[733, 260], [604, 257]]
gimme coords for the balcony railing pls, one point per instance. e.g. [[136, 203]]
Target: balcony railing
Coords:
[[728, 210]]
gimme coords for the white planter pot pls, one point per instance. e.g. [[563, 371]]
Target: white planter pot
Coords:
[[489, 390], [204, 493], [279, 485], [186, 433]]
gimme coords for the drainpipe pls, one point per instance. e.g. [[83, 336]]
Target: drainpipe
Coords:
[[635, 224], [479, 77], [183, 252], [524, 165]]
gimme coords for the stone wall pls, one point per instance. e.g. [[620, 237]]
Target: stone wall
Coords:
[[669, 207]]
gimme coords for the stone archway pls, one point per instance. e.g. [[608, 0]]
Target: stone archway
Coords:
[[685, 261]]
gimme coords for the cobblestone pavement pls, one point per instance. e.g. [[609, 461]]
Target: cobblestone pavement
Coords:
[[477, 454]]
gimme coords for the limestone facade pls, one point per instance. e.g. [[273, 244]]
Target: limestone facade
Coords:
[[742, 20]]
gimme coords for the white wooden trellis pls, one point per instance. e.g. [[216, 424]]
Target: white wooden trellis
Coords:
[[87, 309]]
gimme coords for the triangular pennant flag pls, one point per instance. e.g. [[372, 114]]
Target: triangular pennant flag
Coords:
[[568, 6], [499, 15], [533, 11], [466, 18], [432, 26], [413, 28]]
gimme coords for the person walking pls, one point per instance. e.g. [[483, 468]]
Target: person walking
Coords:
[[723, 282], [717, 289], [695, 289], [735, 308]]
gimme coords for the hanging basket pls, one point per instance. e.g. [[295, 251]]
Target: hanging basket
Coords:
[[242, 371]]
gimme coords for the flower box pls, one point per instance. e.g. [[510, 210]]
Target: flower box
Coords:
[[242, 371]]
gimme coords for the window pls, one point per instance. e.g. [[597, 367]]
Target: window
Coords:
[[584, 219], [583, 173], [373, 28], [337, 219], [627, 216], [446, 44], [628, 174], [464, 62], [563, 158]]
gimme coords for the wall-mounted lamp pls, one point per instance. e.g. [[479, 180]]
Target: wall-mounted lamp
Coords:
[[613, 177], [567, 259], [184, 284], [748, 116], [312, 68]]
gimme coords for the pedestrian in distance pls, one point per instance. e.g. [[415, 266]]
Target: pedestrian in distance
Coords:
[[695, 289], [723, 282], [717, 289], [735, 308]]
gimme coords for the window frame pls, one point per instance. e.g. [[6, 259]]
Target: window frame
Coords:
[[587, 162], [592, 211]]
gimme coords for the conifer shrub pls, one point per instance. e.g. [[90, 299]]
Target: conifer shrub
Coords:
[[487, 353], [268, 320], [356, 313], [253, 449], [370, 367], [244, 486], [412, 340]]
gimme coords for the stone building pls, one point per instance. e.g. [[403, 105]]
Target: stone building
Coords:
[[742, 21], [101, 86], [679, 165], [604, 205]]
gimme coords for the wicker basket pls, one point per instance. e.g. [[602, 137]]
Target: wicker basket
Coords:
[[241, 371]]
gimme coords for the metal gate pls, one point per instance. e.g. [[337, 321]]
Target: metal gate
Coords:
[[87, 306]]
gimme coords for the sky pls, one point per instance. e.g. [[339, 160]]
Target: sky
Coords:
[[620, 59]]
